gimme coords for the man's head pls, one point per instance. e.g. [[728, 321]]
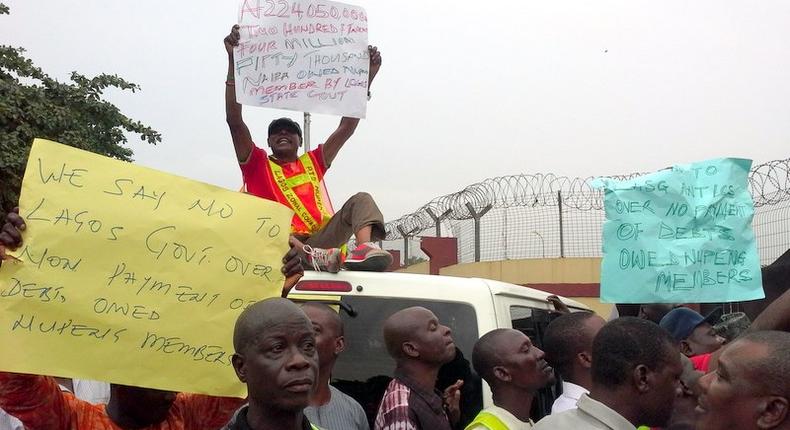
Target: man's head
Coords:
[[507, 358], [142, 407], [285, 136], [693, 332], [328, 328], [638, 362], [751, 387], [568, 344], [415, 334], [654, 311], [276, 354]]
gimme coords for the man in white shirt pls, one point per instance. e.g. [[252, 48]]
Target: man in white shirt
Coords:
[[568, 344], [635, 380], [515, 370]]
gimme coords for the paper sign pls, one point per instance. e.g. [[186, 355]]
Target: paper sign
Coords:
[[681, 235], [133, 276], [302, 55]]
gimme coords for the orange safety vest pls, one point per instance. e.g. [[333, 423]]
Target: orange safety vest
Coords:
[[304, 193]]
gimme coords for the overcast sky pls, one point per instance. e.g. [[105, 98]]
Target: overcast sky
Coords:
[[467, 91]]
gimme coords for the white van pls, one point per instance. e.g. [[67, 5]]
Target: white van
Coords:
[[471, 307]]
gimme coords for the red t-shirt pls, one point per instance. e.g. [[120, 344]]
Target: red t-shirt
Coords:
[[701, 362], [259, 181], [38, 402]]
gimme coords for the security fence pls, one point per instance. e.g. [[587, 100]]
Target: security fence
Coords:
[[546, 216]]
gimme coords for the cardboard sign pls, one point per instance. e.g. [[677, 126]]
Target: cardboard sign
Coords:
[[681, 235], [303, 55], [133, 276]]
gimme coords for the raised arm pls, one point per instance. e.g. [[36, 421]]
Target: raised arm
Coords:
[[349, 125], [242, 140]]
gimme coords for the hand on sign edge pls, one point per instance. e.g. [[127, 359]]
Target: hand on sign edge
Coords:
[[375, 61], [11, 233], [232, 39]]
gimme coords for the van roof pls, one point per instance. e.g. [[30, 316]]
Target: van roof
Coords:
[[404, 282]]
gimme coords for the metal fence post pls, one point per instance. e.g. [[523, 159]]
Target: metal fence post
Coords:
[[438, 219], [406, 236], [562, 233], [476, 217]]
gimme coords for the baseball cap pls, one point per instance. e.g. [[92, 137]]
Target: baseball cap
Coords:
[[287, 123], [680, 322]]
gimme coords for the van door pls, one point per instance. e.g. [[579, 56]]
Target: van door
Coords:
[[364, 369]]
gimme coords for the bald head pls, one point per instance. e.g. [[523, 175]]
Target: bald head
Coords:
[[768, 361], [507, 358], [415, 333], [485, 355], [328, 314], [400, 328], [263, 315]]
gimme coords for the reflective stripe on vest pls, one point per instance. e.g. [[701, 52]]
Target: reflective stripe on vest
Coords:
[[310, 176], [487, 420]]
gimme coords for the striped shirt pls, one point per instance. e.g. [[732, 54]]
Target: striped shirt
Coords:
[[405, 406]]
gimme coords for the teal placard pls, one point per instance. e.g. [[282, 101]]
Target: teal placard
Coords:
[[681, 235]]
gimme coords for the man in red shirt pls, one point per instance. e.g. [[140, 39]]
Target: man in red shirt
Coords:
[[296, 182], [694, 334]]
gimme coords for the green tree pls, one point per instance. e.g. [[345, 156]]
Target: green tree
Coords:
[[32, 104]]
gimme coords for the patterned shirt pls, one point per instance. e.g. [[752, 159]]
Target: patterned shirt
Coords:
[[341, 413], [39, 403], [405, 406]]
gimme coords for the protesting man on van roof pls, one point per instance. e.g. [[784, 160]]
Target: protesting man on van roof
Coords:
[[296, 181], [420, 346], [515, 370]]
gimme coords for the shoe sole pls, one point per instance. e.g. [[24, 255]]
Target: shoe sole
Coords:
[[374, 263]]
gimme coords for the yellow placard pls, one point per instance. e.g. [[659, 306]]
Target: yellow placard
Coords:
[[133, 276]]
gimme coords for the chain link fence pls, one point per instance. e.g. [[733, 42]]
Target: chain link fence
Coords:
[[548, 216]]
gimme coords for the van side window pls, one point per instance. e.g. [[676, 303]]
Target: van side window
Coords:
[[364, 369]]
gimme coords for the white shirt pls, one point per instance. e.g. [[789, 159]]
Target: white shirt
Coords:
[[510, 421], [589, 415], [570, 395], [8, 422]]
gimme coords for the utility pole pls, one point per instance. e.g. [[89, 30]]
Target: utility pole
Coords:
[[306, 133]]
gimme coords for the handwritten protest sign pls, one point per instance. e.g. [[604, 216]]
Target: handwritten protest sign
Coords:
[[303, 55], [133, 276], [682, 235]]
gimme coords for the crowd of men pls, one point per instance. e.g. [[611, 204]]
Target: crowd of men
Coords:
[[622, 374], [667, 368]]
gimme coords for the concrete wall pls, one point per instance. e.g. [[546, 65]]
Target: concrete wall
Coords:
[[550, 270], [422, 268]]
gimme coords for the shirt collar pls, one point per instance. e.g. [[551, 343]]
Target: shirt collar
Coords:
[[573, 391], [603, 413], [239, 421], [432, 398]]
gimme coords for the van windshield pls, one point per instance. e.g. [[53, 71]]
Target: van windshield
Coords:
[[365, 368]]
